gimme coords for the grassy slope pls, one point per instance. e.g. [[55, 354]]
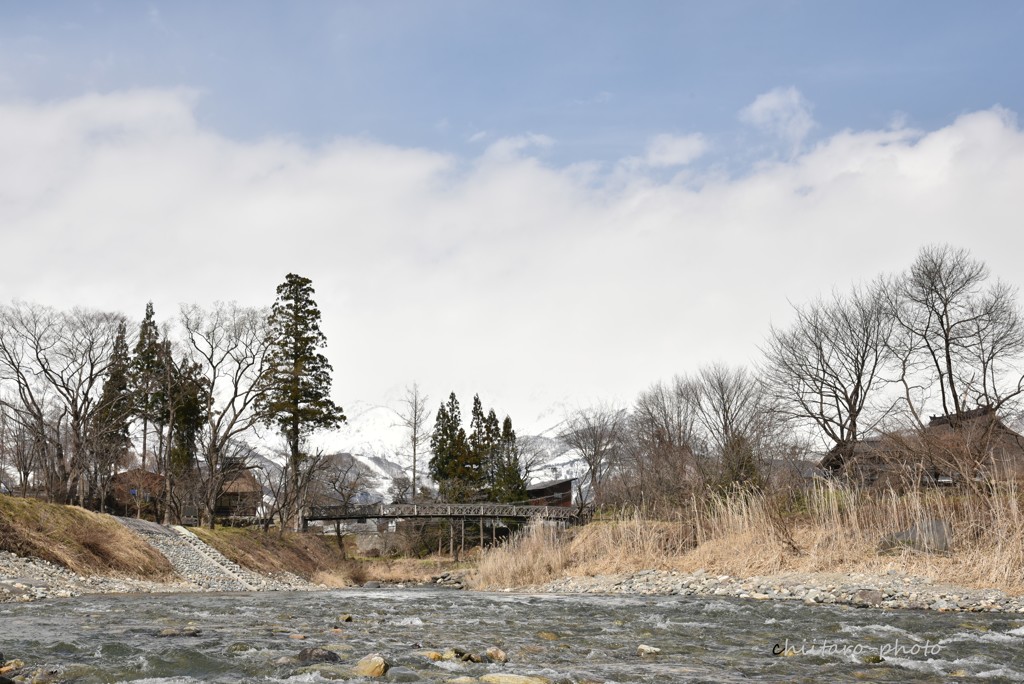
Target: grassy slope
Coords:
[[93, 544], [303, 555], [314, 557], [85, 542]]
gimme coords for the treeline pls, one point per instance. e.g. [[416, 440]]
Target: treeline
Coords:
[[79, 389], [483, 465], [942, 337]]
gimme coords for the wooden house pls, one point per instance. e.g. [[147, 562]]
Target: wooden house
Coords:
[[241, 495], [554, 493], [974, 447]]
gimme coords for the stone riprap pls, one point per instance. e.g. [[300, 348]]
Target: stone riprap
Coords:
[[199, 567], [28, 579]]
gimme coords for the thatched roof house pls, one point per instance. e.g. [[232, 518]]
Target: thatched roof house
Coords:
[[976, 446], [240, 496]]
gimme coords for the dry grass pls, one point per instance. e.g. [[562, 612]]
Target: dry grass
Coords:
[[314, 557], [84, 542], [398, 571], [829, 529], [304, 555], [534, 556]]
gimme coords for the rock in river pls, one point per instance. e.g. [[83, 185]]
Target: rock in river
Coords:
[[317, 655], [501, 678], [373, 665], [496, 655]]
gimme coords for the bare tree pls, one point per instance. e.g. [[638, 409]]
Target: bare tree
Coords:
[[535, 452], [55, 361], [961, 332], [664, 445], [288, 487], [413, 415], [739, 422], [827, 367], [342, 482], [400, 489], [229, 344], [595, 435]]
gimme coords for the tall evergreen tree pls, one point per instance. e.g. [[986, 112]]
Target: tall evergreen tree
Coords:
[[108, 437], [144, 376], [297, 399], [481, 446], [189, 398], [509, 484], [451, 453], [182, 395], [491, 457]]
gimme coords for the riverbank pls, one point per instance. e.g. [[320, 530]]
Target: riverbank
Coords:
[[891, 591], [52, 551], [922, 550], [628, 557]]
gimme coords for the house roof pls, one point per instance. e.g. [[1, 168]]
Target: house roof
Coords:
[[982, 417], [241, 482], [551, 483]]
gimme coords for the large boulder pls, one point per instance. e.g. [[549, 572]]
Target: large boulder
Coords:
[[932, 535], [373, 665]]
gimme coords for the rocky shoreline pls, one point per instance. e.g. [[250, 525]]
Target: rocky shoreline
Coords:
[[31, 579], [892, 590], [28, 579]]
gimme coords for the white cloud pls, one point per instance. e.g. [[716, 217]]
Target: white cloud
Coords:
[[782, 112], [509, 148], [501, 274], [675, 150]]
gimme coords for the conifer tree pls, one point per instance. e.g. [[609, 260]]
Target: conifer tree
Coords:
[[491, 457], [189, 398], [451, 453], [144, 376], [108, 430], [297, 397], [476, 471], [509, 485]]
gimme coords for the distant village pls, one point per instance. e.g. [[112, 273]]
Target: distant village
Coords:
[[911, 380]]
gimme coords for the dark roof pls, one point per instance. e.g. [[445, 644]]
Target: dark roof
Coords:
[[981, 411], [868, 446], [551, 483]]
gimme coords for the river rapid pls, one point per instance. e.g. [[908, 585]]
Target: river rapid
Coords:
[[251, 637]]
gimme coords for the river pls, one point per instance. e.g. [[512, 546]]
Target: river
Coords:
[[565, 638]]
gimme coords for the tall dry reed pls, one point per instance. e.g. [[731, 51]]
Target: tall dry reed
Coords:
[[535, 555], [827, 528]]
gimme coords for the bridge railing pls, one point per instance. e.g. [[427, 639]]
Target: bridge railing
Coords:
[[441, 510]]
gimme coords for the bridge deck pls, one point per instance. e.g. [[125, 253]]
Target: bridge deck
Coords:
[[443, 510]]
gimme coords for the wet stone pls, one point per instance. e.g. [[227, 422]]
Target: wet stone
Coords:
[[317, 655], [373, 665]]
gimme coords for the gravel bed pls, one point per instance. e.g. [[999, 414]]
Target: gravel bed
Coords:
[[892, 590]]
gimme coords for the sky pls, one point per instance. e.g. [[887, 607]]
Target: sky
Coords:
[[548, 204]]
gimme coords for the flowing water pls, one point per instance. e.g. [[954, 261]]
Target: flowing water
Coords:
[[111, 638]]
